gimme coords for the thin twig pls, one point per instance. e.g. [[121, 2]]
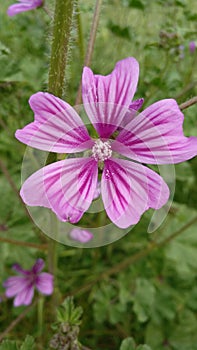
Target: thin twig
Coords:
[[47, 11], [88, 57], [17, 320], [24, 244], [13, 186], [133, 259], [186, 89], [188, 103]]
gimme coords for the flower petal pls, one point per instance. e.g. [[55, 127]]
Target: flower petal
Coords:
[[97, 190], [67, 187], [19, 269], [137, 104], [131, 113], [38, 266], [23, 6], [44, 283], [57, 126], [156, 136], [15, 285], [128, 189], [25, 296], [79, 235], [103, 96]]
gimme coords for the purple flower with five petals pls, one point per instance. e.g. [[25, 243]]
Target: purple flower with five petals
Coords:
[[22, 287], [23, 5], [125, 140]]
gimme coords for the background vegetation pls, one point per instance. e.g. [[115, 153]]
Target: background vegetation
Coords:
[[144, 285]]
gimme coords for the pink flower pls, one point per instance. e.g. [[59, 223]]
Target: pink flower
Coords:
[[192, 46], [128, 188], [22, 287], [82, 236], [23, 5]]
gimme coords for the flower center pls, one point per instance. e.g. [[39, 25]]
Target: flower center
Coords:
[[101, 150]]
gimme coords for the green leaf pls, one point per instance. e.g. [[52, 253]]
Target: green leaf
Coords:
[[138, 4], [128, 344], [154, 335], [28, 343], [143, 347], [184, 334], [68, 313], [8, 345], [4, 50], [123, 32], [181, 3], [102, 304], [143, 299], [183, 256]]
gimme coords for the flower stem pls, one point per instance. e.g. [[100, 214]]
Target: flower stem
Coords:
[[80, 32], [40, 315], [62, 25], [14, 323], [188, 103], [93, 31], [60, 45], [24, 244]]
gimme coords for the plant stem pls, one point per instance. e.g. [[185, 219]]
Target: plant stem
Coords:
[[40, 315], [188, 103], [62, 26], [24, 244], [60, 45], [17, 320], [80, 32], [93, 31]]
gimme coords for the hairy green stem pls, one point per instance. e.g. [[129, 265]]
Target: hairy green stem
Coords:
[[60, 45], [62, 26], [80, 33]]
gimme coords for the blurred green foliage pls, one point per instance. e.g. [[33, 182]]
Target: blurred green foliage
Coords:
[[154, 299], [11, 345]]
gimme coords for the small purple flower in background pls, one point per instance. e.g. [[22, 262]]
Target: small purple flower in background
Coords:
[[22, 6], [181, 51], [82, 236], [128, 188], [192, 47], [22, 287]]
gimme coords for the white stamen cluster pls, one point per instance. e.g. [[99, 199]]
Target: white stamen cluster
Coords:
[[101, 150]]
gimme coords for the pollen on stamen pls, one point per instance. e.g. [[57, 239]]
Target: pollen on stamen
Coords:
[[101, 150]]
